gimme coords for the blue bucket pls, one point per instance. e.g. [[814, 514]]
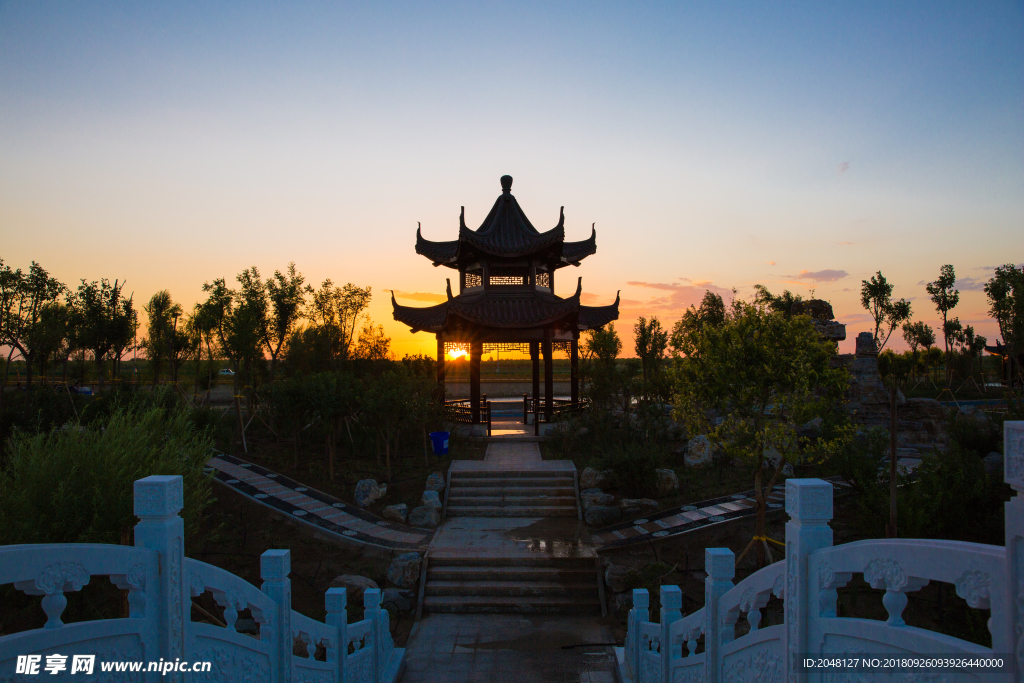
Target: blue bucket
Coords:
[[439, 440]]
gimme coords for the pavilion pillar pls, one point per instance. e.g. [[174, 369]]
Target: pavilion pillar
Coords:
[[535, 362], [549, 380], [440, 366], [574, 370], [476, 349]]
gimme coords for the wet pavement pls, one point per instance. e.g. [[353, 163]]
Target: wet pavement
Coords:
[[507, 648]]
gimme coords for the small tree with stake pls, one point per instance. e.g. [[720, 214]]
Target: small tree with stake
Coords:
[[876, 298]]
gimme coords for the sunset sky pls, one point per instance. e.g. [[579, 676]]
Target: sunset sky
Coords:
[[714, 145]]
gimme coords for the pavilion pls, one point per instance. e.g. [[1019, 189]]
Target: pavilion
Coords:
[[506, 298]]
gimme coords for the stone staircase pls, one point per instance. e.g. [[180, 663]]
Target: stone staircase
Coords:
[[521, 585], [516, 493]]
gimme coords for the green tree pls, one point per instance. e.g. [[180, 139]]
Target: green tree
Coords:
[[945, 299], [24, 297], [373, 344], [238, 321], [336, 312], [287, 295], [163, 313], [52, 339], [918, 335], [711, 312], [1005, 292], [598, 370], [650, 344], [104, 321], [876, 298], [763, 375], [783, 303]]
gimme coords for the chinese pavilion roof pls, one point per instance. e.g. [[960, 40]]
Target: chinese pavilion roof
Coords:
[[503, 308], [506, 233]]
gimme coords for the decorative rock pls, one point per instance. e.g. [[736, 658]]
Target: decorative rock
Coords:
[[402, 599], [615, 577], [698, 451], [368, 491], [973, 414], [666, 481], [635, 506], [591, 478], [404, 570], [602, 515], [425, 517], [993, 463], [623, 602], [355, 585], [435, 482], [595, 497], [397, 513], [431, 499]]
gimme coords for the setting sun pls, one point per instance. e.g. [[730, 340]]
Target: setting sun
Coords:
[[457, 353]]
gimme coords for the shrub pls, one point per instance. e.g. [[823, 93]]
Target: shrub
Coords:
[[75, 484], [633, 468]]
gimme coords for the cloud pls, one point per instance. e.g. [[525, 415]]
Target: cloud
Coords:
[[421, 296], [970, 284], [847, 243], [843, 167], [678, 297], [827, 275], [845, 289], [770, 263], [852, 318], [921, 283], [589, 299]]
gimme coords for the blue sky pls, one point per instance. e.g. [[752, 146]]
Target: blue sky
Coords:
[[714, 145]]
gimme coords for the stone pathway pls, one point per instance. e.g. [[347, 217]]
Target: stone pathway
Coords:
[[323, 512]]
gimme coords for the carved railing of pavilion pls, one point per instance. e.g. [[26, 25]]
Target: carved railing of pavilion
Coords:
[[161, 583], [703, 647]]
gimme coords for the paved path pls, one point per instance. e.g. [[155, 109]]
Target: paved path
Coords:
[[323, 512]]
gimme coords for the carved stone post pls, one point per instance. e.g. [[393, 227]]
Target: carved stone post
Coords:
[[809, 504], [371, 611], [671, 604], [720, 565], [639, 613], [1012, 632], [275, 566], [337, 616], [158, 499]]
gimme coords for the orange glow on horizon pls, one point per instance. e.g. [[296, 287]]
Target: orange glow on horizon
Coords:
[[457, 353]]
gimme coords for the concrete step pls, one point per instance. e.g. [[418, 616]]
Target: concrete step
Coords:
[[512, 499], [492, 604], [510, 511], [472, 491], [477, 481], [580, 591], [493, 573], [439, 559], [498, 473]]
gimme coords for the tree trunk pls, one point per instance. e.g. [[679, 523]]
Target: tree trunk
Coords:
[[331, 445], [426, 452], [376, 446], [387, 455], [99, 366], [759, 525]]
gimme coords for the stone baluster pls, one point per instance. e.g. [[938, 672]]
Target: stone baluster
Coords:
[[809, 505], [720, 566], [671, 604], [275, 566], [158, 499], [337, 616], [371, 611], [638, 614], [1010, 636]]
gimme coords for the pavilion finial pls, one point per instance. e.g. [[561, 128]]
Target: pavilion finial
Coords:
[[449, 281], [579, 286], [506, 183]]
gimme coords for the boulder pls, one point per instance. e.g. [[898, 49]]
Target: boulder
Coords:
[[397, 513], [698, 451], [431, 499], [595, 497], [355, 585], [636, 506], [602, 515], [404, 570], [435, 482], [615, 577], [666, 482], [369, 491], [993, 464], [810, 429], [591, 478], [973, 414], [403, 600], [623, 602], [425, 517]]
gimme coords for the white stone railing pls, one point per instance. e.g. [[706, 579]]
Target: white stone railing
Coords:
[[161, 582], [986, 577]]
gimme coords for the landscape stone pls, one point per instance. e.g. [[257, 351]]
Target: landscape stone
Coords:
[[591, 478], [397, 513], [595, 497], [602, 515], [425, 517], [355, 585], [623, 602], [430, 498], [615, 577], [404, 570], [369, 491], [402, 599], [993, 463], [435, 482], [698, 451], [666, 481], [635, 506]]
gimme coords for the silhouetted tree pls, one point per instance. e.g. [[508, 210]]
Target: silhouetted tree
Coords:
[[876, 298]]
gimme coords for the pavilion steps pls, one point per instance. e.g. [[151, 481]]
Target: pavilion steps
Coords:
[[518, 584], [511, 493]]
